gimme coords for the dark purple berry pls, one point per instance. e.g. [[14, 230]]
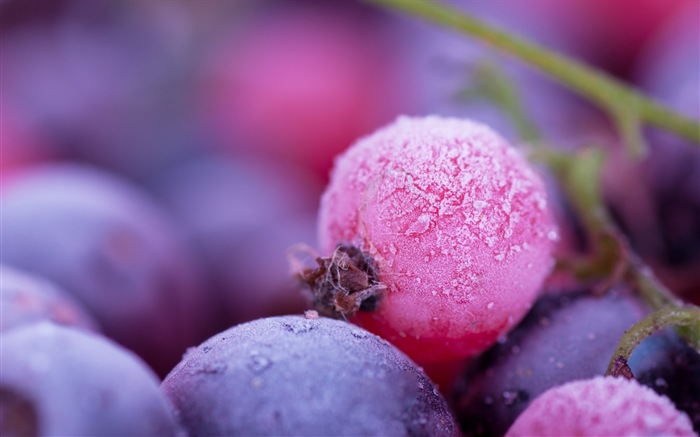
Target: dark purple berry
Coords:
[[567, 337], [291, 375]]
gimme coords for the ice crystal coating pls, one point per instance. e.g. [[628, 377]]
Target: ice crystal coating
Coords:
[[457, 223], [602, 406], [300, 375]]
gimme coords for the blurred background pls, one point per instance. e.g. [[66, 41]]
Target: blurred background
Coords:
[[229, 113]]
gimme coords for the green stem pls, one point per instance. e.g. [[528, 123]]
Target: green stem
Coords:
[[493, 84], [613, 259], [626, 105], [686, 317]]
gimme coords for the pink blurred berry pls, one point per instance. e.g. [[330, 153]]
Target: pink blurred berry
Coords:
[[601, 406], [456, 225], [300, 82]]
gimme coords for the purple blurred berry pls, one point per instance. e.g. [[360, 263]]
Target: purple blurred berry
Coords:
[[28, 299], [565, 337], [59, 380], [106, 243]]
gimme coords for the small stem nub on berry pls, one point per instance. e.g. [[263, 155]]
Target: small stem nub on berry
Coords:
[[344, 283]]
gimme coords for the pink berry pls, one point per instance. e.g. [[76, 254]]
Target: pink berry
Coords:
[[601, 406], [301, 82], [456, 224]]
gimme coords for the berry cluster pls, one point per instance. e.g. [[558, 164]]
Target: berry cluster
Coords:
[[321, 218]]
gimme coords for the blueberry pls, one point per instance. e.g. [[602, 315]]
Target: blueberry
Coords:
[[291, 375], [58, 380], [566, 337], [110, 246], [27, 299]]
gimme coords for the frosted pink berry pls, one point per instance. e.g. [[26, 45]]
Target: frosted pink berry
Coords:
[[602, 406], [456, 226]]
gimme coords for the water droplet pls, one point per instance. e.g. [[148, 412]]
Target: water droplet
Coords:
[[490, 306], [553, 236], [258, 363]]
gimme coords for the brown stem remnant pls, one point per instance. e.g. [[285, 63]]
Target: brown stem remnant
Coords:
[[620, 368], [344, 283]]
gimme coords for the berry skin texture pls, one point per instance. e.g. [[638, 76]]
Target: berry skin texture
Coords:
[[304, 376], [602, 406], [457, 224], [568, 336]]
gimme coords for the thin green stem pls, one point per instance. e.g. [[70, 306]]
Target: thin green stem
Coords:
[[627, 106], [494, 85], [613, 259], [686, 317]]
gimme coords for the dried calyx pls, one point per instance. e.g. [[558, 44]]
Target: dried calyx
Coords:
[[344, 283]]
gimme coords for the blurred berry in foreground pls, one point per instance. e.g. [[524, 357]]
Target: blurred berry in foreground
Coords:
[[58, 380], [107, 244], [28, 299]]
